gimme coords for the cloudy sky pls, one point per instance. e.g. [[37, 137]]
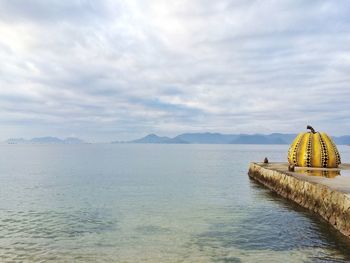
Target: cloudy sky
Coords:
[[116, 70]]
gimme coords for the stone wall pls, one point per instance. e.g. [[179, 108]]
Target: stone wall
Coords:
[[332, 205]]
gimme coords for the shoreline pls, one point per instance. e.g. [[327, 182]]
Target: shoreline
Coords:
[[329, 197]]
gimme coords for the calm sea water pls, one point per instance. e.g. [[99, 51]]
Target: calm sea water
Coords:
[[152, 203]]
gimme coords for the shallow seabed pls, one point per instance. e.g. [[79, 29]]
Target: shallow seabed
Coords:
[[152, 203]]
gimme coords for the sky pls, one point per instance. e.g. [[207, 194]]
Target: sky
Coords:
[[118, 70]]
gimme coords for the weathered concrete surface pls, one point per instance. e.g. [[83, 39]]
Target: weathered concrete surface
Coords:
[[329, 197]]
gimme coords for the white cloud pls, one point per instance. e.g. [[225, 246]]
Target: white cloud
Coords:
[[116, 70]]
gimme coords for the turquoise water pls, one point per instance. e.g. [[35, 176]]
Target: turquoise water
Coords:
[[152, 203]]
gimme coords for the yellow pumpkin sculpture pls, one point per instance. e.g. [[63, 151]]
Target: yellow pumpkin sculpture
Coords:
[[313, 149]]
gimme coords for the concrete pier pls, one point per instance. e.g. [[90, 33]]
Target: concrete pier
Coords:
[[323, 191]]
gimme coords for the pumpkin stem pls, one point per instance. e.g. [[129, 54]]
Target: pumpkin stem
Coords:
[[311, 129]]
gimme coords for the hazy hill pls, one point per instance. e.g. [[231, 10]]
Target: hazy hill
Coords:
[[207, 138], [258, 139], [152, 138], [287, 137], [188, 138], [342, 139], [73, 140], [218, 138], [46, 140], [176, 141]]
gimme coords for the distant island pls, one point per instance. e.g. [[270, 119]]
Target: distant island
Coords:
[[219, 138], [187, 138], [45, 140]]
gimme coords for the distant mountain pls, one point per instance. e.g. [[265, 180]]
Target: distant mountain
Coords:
[[73, 140], [342, 140], [176, 141], [153, 138], [188, 138], [218, 138], [45, 140], [287, 138], [206, 138], [257, 139]]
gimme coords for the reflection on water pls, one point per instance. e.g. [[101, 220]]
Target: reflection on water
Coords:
[[316, 172], [320, 230], [152, 203]]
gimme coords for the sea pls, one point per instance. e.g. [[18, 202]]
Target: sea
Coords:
[[153, 203]]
